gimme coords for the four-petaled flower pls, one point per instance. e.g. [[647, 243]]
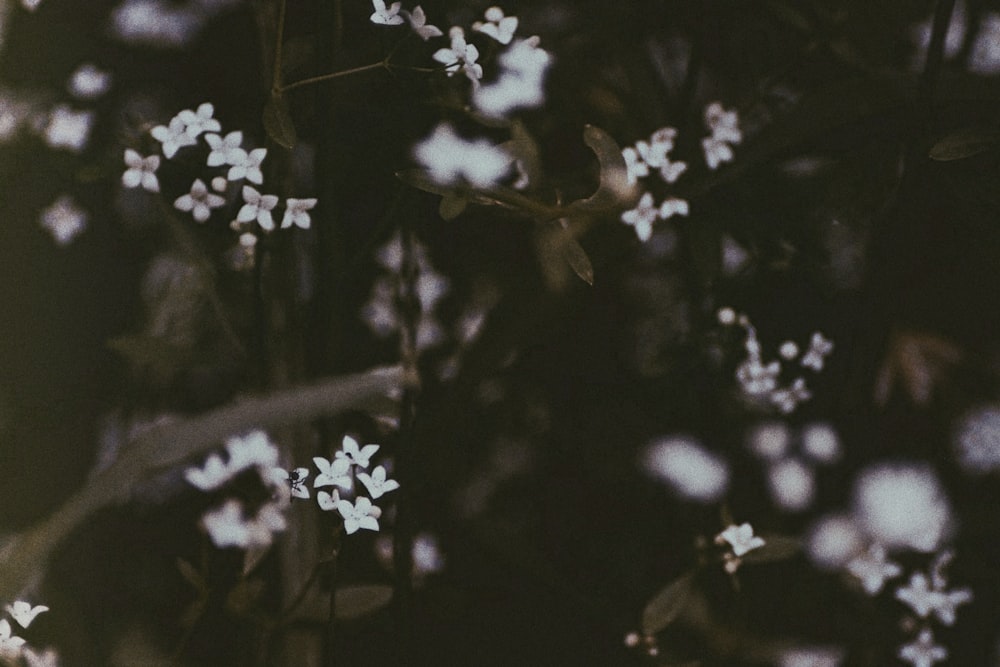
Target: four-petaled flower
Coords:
[[353, 454], [224, 149], [361, 514], [497, 26], [386, 15], [173, 137], [199, 201], [332, 473], [418, 21], [673, 206], [924, 599], [257, 207], [199, 121], [296, 480], [211, 476], [10, 646], [247, 165], [297, 212], [819, 348], [740, 538], [461, 56], [376, 483], [141, 171], [873, 569], [923, 652], [642, 216], [23, 613], [64, 219]]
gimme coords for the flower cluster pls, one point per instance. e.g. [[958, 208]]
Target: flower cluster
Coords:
[[760, 380], [927, 596], [791, 475], [12, 647], [349, 462], [642, 159], [725, 133]]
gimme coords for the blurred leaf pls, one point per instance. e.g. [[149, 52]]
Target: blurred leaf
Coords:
[[253, 557], [558, 249], [525, 150], [614, 188], [149, 353], [576, 257], [244, 595], [965, 143], [452, 205], [278, 121], [776, 547], [667, 605], [191, 575], [357, 601]]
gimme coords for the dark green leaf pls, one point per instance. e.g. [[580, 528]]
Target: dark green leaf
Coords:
[[965, 143], [278, 121], [667, 605], [357, 601], [577, 259], [452, 206], [776, 547]]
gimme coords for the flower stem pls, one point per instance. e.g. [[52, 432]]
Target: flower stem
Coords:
[[333, 75], [278, 47]]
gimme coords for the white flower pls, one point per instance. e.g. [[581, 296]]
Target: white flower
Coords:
[[769, 440], [23, 613], [351, 453], [141, 171], [693, 472], [716, 152], [642, 216], [450, 159], [977, 440], [833, 541], [521, 83], [820, 442], [360, 515], [740, 538], [873, 568], [418, 21], [69, 129], [819, 349], [224, 150], [376, 483], [811, 657], [227, 527], [788, 350], [333, 473], [636, 167], [199, 121], [497, 26], [296, 480], [327, 501], [788, 398], [88, 82], [10, 646], [461, 56], [199, 201], [297, 213], [725, 125], [757, 379], [427, 556], [155, 22], [253, 450], [791, 484], [671, 171], [173, 137], [49, 658], [386, 15], [31, 5], [672, 206], [247, 165], [924, 599], [64, 220], [901, 506], [212, 475], [923, 652], [726, 316], [257, 207]]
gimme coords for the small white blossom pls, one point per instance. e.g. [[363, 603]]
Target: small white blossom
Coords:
[[671, 171], [788, 398], [740, 538], [23, 613], [924, 599], [69, 129], [819, 349], [173, 137], [333, 473], [296, 480], [499, 27], [297, 213], [460, 57], [902, 506], [48, 658], [227, 527], [213, 474], [672, 206], [693, 472], [833, 541], [386, 15], [770, 440], [199, 121], [141, 171], [359, 515], [976, 440], [10, 645], [923, 652], [257, 207], [247, 165], [725, 125], [636, 167], [224, 149], [726, 316], [359, 456], [642, 217], [418, 22], [64, 220], [89, 82], [521, 82], [376, 483], [756, 378], [792, 485], [820, 442], [450, 159], [788, 350], [253, 450], [716, 152], [199, 201], [328, 501], [873, 569]]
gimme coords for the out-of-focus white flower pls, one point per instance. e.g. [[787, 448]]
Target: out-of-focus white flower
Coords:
[[791, 484], [257, 207], [521, 83], [23, 613], [788, 398], [757, 378], [788, 350], [253, 450], [10, 645], [200, 120], [427, 556], [819, 349], [642, 217], [923, 652], [47, 658], [925, 599], [724, 125], [902, 506], [976, 440], [31, 5], [219, 184], [297, 212], [296, 480], [155, 23], [88, 82], [333, 473], [386, 15], [227, 527], [497, 26], [418, 22], [985, 56], [247, 165], [224, 149], [820, 442], [636, 167], [141, 171], [873, 569], [740, 538], [69, 129], [355, 455], [671, 171], [64, 220], [213, 474], [811, 657], [716, 152], [769, 440], [199, 201], [833, 541], [726, 316], [692, 471], [460, 57], [359, 515], [376, 483], [173, 137], [672, 206], [451, 160]]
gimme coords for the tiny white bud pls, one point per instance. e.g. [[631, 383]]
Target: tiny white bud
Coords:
[[726, 316], [788, 350]]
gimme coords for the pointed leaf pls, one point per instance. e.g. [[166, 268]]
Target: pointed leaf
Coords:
[[577, 258], [965, 143], [278, 121], [357, 601], [191, 575], [776, 547], [614, 188], [667, 605]]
